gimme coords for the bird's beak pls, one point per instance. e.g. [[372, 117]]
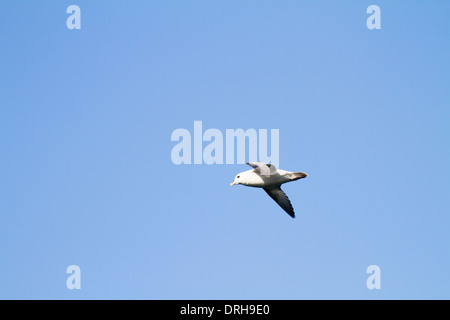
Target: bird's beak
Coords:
[[232, 184]]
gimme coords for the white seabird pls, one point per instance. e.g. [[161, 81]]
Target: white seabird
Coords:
[[266, 176]]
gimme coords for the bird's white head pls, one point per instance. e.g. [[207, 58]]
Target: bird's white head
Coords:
[[237, 180], [246, 178]]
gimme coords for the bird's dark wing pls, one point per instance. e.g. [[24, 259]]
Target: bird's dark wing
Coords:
[[264, 169], [281, 198]]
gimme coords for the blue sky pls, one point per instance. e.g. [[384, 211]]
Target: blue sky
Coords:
[[86, 176]]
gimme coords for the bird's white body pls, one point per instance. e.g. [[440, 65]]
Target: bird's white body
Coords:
[[252, 178]]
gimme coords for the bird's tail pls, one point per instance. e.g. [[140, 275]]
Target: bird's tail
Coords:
[[298, 175]]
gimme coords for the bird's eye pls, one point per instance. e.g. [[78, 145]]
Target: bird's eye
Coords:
[[237, 177]]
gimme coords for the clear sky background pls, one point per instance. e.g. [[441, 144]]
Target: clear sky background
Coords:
[[86, 176]]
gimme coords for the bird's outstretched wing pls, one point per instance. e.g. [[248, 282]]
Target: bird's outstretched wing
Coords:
[[264, 169], [281, 198]]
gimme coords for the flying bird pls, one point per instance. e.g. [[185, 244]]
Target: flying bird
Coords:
[[266, 176]]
